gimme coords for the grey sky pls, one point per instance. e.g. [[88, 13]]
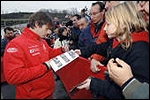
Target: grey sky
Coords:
[[32, 6]]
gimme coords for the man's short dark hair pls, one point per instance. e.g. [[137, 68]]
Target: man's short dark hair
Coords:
[[40, 17], [101, 5], [78, 16], [69, 23], [83, 10], [8, 28], [60, 31]]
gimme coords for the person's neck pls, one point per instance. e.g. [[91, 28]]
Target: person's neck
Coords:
[[33, 30], [99, 22]]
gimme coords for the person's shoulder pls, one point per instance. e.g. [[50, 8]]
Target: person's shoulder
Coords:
[[140, 44], [3, 40], [18, 40], [87, 29]]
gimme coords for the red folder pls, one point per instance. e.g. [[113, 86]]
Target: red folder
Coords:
[[76, 72]]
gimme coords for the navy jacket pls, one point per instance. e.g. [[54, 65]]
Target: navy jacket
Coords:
[[85, 38]]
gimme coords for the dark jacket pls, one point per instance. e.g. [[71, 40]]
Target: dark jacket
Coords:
[[75, 32], [137, 56], [85, 38]]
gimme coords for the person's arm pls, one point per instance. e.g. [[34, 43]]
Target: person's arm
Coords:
[[16, 71], [102, 88], [95, 49], [136, 90], [121, 73], [53, 52]]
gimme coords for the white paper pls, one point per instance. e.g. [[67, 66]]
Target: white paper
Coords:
[[62, 60]]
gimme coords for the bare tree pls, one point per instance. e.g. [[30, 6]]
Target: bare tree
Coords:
[[55, 11], [64, 11], [74, 11]]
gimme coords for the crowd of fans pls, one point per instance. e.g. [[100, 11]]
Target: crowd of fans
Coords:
[[113, 34]]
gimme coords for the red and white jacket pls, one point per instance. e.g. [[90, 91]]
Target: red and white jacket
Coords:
[[23, 66]]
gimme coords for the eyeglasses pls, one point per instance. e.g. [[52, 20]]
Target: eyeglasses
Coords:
[[94, 13]]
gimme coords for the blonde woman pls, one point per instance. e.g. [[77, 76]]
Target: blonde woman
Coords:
[[129, 41]]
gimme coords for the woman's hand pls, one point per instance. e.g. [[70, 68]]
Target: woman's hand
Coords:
[[94, 65], [119, 71]]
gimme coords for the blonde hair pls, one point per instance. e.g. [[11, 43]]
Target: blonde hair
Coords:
[[127, 20]]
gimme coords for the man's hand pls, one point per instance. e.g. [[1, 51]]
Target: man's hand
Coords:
[[47, 64]]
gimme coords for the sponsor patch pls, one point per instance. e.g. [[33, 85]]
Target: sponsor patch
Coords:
[[12, 50], [33, 50]]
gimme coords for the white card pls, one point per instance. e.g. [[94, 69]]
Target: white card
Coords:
[[62, 60]]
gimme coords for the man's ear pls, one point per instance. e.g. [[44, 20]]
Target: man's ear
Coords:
[[36, 24], [103, 11]]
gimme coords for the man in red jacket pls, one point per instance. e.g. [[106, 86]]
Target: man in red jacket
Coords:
[[26, 60]]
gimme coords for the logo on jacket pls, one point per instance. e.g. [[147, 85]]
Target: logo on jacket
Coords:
[[34, 51], [12, 50]]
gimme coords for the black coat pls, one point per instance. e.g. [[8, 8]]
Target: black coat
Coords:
[[137, 56]]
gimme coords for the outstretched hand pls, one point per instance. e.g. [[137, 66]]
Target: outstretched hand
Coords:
[[85, 84], [77, 51], [65, 48], [94, 65]]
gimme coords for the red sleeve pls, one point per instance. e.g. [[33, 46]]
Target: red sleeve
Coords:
[[53, 52]]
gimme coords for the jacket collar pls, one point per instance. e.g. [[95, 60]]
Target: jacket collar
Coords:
[[30, 34], [140, 36]]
